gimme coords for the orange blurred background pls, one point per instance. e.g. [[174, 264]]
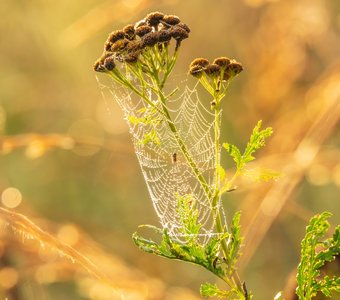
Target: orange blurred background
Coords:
[[67, 161]]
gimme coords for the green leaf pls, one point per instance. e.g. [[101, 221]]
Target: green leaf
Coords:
[[150, 137], [188, 216], [235, 153], [235, 242], [256, 141], [314, 254], [211, 290]]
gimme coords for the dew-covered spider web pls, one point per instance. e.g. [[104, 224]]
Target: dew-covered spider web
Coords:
[[166, 171]]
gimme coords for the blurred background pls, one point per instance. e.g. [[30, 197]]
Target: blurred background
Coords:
[[67, 161]]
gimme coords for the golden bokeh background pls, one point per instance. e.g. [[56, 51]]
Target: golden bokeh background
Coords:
[[67, 163]]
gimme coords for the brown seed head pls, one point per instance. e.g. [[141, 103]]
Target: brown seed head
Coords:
[[223, 62], [107, 46], [116, 36], [164, 36], [234, 68], [133, 46], [196, 71], [150, 39], [178, 33], [154, 18], [129, 31], [98, 67], [171, 20], [184, 26], [143, 30], [201, 62], [109, 63], [212, 70], [119, 45]]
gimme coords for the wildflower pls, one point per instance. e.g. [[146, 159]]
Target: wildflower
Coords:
[[178, 33], [98, 67], [223, 62], [150, 39], [164, 36], [119, 45], [202, 62], [154, 18], [184, 26], [212, 70], [171, 20], [109, 63], [196, 71], [234, 68], [116, 36], [129, 31], [143, 30]]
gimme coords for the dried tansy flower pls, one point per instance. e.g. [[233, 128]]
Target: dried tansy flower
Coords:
[[154, 18]]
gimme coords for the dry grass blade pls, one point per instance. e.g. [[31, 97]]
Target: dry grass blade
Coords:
[[24, 227]]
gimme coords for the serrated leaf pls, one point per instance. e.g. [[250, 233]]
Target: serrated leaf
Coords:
[[235, 242], [256, 141], [211, 290], [312, 259], [235, 153]]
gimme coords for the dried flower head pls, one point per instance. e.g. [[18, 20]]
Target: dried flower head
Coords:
[[223, 62], [179, 33], [171, 20], [164, 36], [109, 63], [134, 46], [202, 62], [212, 70], [196, 71], [107, 46], [98, 66], [116, 36], [150, 39], [184, 26], [234, 68], [143, 30], [119, 45], [129, 31], [154, 18]]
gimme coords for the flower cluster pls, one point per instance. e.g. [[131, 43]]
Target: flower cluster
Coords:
[[222, 67], [130, 43]]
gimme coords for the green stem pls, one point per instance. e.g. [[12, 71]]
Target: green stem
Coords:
[[183, 148], [220, 227]]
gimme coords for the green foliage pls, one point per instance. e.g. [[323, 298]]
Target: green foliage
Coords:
[[188, 217], [211, 290], [235, 242], [314, 254], [256, 141], [150, 137]]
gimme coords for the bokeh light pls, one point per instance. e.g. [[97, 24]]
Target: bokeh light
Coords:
[[11, 197]]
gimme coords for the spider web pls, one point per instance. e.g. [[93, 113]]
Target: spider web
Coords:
[[164, 167]]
